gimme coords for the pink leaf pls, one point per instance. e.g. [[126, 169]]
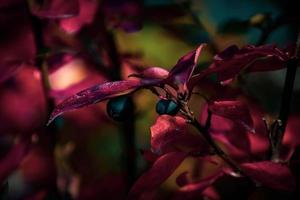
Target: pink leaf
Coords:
[[234, 110], [54, 8], [158, 173], [170, 133], [270, 174]]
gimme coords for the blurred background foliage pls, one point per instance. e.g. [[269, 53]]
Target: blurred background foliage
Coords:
[[89, 150]]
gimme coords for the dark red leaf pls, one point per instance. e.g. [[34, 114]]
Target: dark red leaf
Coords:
[[232, 61], [194, 190], [234, 110], [183, 70], [270, 174], [152, 73], [54, 8], [170, 133], [158, 173]]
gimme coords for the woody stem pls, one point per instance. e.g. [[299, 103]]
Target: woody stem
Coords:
[[231, 163]]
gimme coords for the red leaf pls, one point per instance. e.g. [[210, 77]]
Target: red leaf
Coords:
[[270, 174], [170, 133], [194, 190], [158, 173], [235, 137], [234, 110], [54, 8], [232, 60]]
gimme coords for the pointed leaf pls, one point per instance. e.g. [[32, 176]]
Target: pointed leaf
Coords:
[[270, 174], [152, 73], [158, 173], [232, 61], [194, 190], [96, 94], [183, 70], [170, 133], [234, 110], [249, 59]]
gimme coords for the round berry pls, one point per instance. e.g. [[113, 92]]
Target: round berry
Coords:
[[168, 107], [120, 108]]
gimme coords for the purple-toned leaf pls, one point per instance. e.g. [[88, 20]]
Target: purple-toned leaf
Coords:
[[234, 110], [94, 95], [183, 70], [158, 173], [270, 174], [250, 59], [12, 159], [170, 134], [232, 61], [195, 189], [99, 93], [152, 73], [15, 48], [54, 8]]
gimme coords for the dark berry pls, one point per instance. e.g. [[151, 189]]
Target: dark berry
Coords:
[[120, 108], [168, 107]]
